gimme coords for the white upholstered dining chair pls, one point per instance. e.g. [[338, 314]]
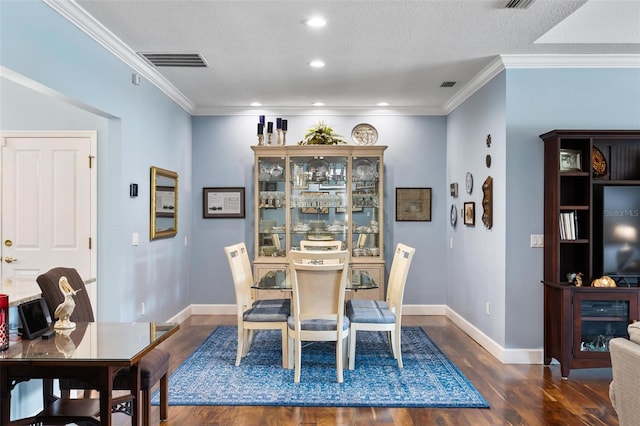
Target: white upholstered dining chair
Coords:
[[269, 314], [318, 303], [379, 315], [320, 245]]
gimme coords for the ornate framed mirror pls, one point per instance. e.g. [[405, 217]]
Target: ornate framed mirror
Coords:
[[164, 203]]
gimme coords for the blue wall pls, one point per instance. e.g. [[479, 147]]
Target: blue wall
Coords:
[[222, 157], [138, 127]]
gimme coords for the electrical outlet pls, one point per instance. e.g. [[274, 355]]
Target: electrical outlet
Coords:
[[488, 308], [142, 309]]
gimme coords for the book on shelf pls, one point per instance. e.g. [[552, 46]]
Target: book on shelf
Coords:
[[568, 225]]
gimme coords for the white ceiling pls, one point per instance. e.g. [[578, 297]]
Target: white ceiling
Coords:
[[397, 51]]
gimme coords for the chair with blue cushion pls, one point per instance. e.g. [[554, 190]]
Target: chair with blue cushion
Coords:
[[268, 314], [319, 280], [382, 315]]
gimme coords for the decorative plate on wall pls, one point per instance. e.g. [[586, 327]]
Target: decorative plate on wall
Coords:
[[469, 182], [364, 134], [454, 215]]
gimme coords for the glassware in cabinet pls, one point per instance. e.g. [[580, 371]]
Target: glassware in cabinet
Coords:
[[318, 199], [271, 206], [366, 206]]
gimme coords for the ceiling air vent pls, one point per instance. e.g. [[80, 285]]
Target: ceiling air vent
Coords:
[[448, 84], [188, 60], [518, 4]]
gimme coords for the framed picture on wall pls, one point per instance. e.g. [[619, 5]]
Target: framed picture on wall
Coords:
[[469, 212], [413, 204], [223, 202]]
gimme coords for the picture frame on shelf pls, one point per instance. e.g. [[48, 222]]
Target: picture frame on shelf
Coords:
[[570, 160], [469, 213], [413, 204], [223, 202]]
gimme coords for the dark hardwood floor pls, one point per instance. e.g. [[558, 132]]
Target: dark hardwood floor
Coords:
[[518, 394]]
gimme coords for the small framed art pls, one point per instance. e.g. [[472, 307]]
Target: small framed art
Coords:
[[453, 189], [469, 212], [413, 204], [570, 160], [223, 202]]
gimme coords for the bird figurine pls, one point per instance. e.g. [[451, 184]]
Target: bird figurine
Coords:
[[65, 309]]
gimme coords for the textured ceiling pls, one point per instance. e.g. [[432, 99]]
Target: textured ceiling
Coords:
[[395, 51]]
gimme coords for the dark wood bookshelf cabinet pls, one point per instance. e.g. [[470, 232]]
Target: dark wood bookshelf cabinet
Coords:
[[578, 164]]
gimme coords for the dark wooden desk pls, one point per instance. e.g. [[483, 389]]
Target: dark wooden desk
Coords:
[[92, 351]]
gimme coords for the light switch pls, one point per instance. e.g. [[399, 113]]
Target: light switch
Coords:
[[537, 240], [135, 239]]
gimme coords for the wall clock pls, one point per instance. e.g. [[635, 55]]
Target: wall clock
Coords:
[[469, 182], [454, 215]]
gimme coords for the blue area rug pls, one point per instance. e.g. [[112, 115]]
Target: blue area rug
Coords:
[[429, 379]]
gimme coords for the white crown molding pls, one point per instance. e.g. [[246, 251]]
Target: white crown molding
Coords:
[[307, 111], [85, 22], [503, 62], [479, 80], [571, 61], [75, 14]]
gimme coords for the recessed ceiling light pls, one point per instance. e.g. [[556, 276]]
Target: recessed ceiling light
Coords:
[[316, 63], [318, 104], [316, 22], [255, 104], [383, 103]]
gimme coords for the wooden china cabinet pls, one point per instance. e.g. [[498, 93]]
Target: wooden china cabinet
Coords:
[[320, 193], [581, 232]]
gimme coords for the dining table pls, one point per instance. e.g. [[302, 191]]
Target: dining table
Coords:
[[279, 280], [92, 351]]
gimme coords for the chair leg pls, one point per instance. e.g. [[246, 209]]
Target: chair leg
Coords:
[[290, 352], [285, 349], [398, 351], [296, 377], [352, 349], [240, 345], [249, 341], [144, 407], [339, 358], [164, 398]]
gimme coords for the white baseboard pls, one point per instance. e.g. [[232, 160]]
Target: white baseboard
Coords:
[[505, 356]]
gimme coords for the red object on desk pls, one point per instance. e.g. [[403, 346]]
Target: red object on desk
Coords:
[[4, 322]]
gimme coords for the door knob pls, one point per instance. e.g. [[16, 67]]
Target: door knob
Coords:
[[10, 259]]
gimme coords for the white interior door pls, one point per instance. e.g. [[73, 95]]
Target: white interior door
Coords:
[[47, 184]]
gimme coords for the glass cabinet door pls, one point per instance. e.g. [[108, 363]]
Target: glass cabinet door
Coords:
[[272, 174], [366, 206], [318, 199], [600, 318]]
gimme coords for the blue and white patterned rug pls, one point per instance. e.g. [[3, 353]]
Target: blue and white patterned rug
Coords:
[[429, 379]]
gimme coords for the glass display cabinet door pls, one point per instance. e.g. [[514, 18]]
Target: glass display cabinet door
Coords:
[[365, 210], [601, 317], [318, 199], [272, 174]]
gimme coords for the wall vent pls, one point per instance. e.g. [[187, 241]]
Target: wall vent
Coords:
[[188, 60], [448, 84], [518, 4]]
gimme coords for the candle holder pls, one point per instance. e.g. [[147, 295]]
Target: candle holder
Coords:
[[269, 138], [260, 139], [284, 137], [279, 139]]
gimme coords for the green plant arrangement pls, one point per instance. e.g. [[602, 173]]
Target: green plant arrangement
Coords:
[[321, 134]]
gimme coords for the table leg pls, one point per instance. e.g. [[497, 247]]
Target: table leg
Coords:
[[134, 380], [105, 387], [5, 396]]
